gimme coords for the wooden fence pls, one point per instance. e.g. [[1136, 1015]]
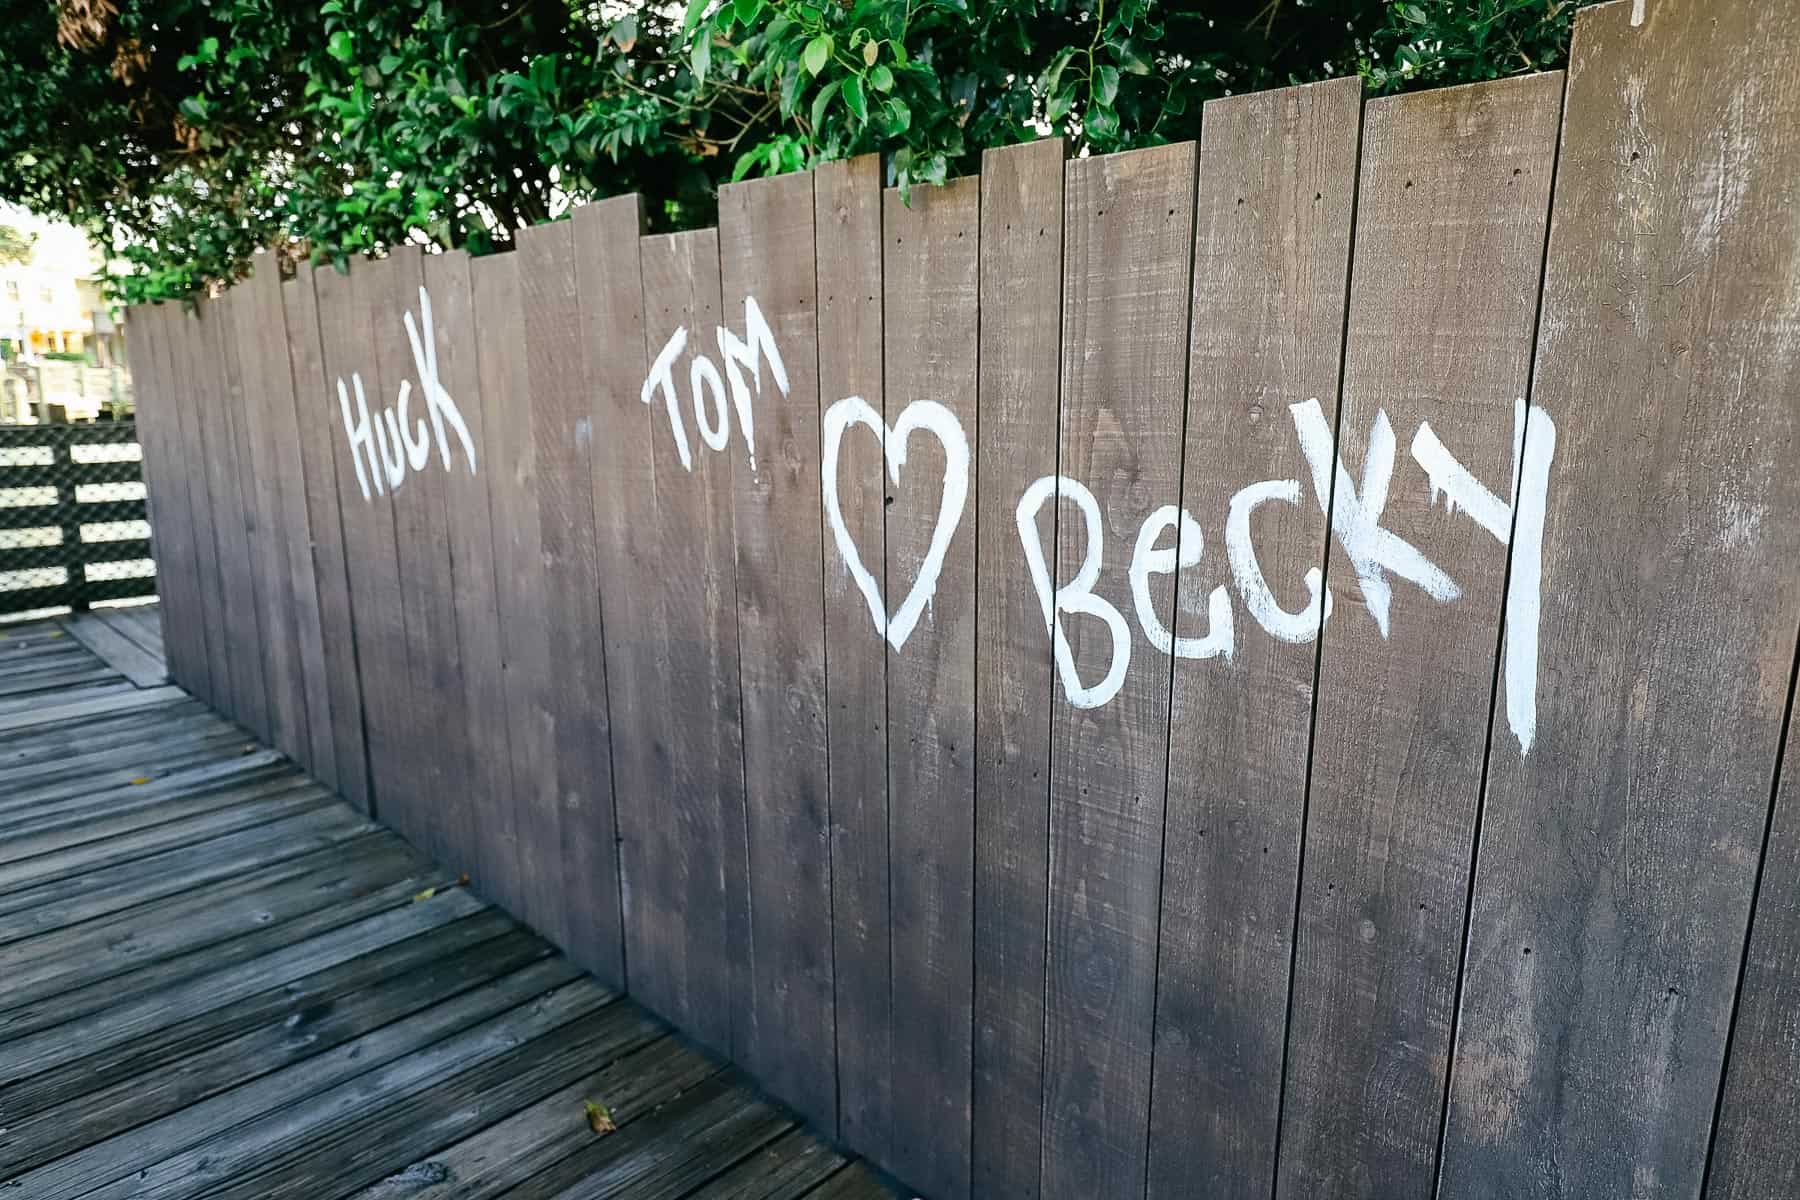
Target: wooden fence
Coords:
[[1239, 667]]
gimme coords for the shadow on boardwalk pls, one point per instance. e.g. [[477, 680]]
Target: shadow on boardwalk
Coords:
[[217, 980]]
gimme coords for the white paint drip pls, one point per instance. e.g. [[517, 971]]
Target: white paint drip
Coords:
[[748, 353], [941, 423], [438, 403], [1356, 516], [1637, 13], [1534, 445]]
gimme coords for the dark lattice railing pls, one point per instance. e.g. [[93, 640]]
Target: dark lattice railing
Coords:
[[74, 528]]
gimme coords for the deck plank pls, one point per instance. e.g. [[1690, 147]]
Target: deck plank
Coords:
[[222, 980], [118, 650]]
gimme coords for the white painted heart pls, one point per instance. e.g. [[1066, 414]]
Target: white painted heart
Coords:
[[942, 424]]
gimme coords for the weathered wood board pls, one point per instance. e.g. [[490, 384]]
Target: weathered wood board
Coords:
[[931, 304], [1128, 246], [768, 282], [1618, 855], [1020, 351], [847, 225], [1271, 259], [1455, 185]]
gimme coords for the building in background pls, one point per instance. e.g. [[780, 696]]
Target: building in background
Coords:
[[63, 351]]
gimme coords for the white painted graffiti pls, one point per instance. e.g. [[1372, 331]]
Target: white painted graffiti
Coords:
[[941, 423], [1373, 553], [1355, 507], [740, 354], [391, 441]]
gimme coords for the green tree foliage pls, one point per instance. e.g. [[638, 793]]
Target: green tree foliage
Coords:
[[15, 247], [188, 133]]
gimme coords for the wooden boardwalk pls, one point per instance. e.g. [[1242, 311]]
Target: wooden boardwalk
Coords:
[[217, 980]]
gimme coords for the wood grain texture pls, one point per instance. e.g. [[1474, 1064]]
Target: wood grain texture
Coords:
[[623, 486], [321, 445], [1454, 186], [277, 1013], [490, 851], [703, 746], [766, 244], [1128, 241], [509, 456], [1271, 259], [1759, 1102], [263, 385], [1621, 850], [438, 810], [1021, 351], [345, 309], [168, 465], [577, 857], [847, 232], [252, 661], [931, 276], [291, 523], [184, 345], [234, 607]]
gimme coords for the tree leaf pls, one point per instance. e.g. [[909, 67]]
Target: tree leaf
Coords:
[[701, 56], [1106, 84], [340, 46], [692, 17], [871, 52], [816, 54], [822, 101], [881, 79], [854, 99]]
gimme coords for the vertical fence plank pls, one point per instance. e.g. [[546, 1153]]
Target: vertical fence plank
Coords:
[[167, 457], [346, 315], [491, 850], [184, 370], [264, 383], [766, 258], [1128, 245], [222, 418], [523, 635], [847, 229], [1271, 260], [572, 847], [244, 616], [293, 523], [1618, 853], [1021, 339], [697, 580], [1454, 188], [552, 355], [931, 276], [320, 444], [1755, 1153], [438, 813], [622, 486]]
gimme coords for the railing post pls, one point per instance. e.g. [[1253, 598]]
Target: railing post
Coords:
[[62, 461]]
